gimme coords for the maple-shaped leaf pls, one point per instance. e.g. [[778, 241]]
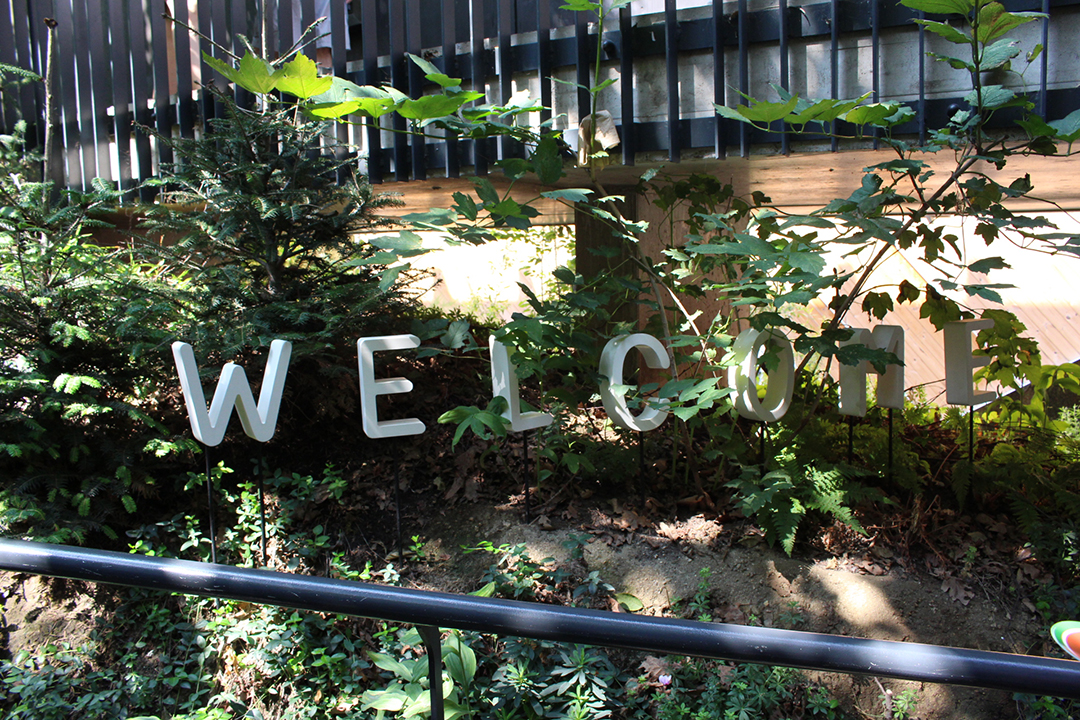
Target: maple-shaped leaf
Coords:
[[957, 589], [301, 78]]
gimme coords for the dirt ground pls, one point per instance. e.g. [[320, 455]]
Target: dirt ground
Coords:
[[750, 582], [863, 594]]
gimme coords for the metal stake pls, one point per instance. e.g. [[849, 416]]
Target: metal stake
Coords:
[[641, 454], [262, 514], [210, 507], [397, 513], [971, 434], [890, 445], [850, 439], [431, 639], [762, 437], [525, 451]]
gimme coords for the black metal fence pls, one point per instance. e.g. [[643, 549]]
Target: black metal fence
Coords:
[[130, 63], [432, 610]]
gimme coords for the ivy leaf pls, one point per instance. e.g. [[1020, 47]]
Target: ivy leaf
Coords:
[[301, 78]]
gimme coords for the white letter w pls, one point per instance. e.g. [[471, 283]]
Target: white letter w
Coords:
[[233, 390]]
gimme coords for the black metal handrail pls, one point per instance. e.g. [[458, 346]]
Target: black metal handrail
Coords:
[[430, 610]]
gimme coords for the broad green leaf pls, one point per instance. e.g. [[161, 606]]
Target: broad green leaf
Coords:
[[991, 96], [765, 112], [998, 54], [435, 217], [1068, 128], [430, 107], [547, 160], [946, 31], [486, 191], [874, 114], [987, 264], [994, 21], [254, 74], [569, 194], [941, 7], [406, 243], [301, 78], [954, 62], [333, 110], [489, 589]]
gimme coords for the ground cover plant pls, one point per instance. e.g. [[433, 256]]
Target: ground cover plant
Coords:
[[94, 445]]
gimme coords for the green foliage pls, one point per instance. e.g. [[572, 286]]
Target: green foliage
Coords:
[[80, 327], [780, 499], [266, 229]]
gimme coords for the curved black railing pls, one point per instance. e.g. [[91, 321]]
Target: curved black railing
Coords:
[[432, 610]]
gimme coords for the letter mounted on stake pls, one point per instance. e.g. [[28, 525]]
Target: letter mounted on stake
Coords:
[[504, 384], [890, 386], [742, 376], [611, 367], [370, 388], [233, 390], [960, 363]]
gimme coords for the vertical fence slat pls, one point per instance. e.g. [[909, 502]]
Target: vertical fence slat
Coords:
[[220, 34], [785, 32], [369, 35], [543, 56], [626, 85], [1044, 65], [164, 110], [719, 77], [9, 113], [449, 58], [140, 92], [399, 79], [584, 61], [185, 107], [204, 24], [671, 62], [742, 26], [834, 61], [416, 84], [507, 148], [121, 89], [922, 80], [285, 35], [85, 111], [339, 28], [101, 82], [238, 25], [7, 55], [25, 57], [66, 90], [875, 53], [479, 76]]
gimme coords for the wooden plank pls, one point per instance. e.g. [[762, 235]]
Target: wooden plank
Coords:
[[121, 89], [100, 80], [81, 51], [66, 90], [140, 93], [421, 195]]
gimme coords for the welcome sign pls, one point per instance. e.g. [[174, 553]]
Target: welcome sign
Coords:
[[259, 419]]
